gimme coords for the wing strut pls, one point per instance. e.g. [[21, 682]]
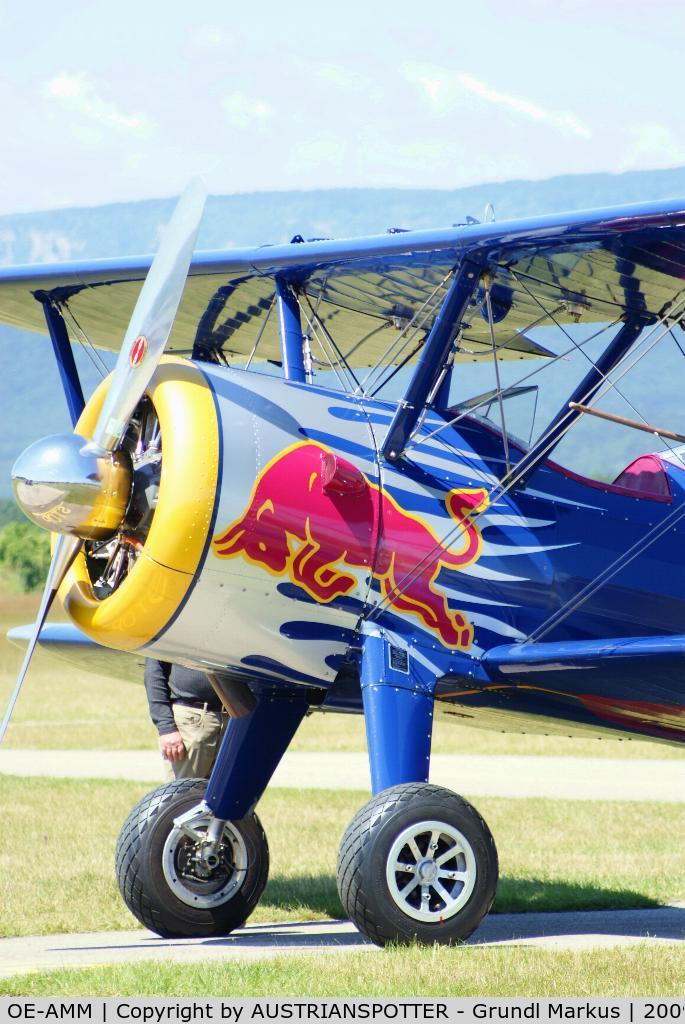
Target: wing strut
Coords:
[[61, 345], [434, 357], [586, 390]]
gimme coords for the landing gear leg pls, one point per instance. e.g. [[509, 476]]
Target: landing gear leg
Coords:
[[417, 862], [192, 858]]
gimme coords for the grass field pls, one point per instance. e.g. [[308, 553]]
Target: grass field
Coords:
[[62, 707], [554, 855], [467, 971]]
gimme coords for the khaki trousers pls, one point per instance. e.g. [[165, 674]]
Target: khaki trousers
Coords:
[[201, 732]]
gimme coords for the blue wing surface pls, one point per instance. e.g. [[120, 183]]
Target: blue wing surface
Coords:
[[69, 644], [607, 262]]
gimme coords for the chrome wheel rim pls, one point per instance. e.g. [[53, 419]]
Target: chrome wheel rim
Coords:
[[431, 871], [186, 879]]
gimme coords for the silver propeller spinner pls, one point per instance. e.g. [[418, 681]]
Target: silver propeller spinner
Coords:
[[79, 488]]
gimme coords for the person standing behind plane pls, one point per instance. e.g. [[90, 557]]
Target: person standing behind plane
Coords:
[[188, 716]]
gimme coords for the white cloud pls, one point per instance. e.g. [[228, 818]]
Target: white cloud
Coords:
[[134, 160], [76, 93], [563, 121], [7, 240], [322, 151], [433, 87], [90, 133], [209, 37], [342, 76], [436, 84], [444, 89], [51, 247], [651, 145], [246, 111], [66, 86]]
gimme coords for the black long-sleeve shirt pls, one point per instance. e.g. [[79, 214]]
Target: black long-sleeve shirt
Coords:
[[166, 683]]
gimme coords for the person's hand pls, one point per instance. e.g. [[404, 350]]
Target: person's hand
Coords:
[[172, 746]]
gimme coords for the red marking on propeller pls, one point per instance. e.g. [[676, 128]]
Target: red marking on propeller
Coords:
[[138, 350]]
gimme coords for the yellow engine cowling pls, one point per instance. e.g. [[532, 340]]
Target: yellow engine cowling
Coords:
[[159, 582]]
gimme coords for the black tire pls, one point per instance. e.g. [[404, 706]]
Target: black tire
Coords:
[[146, 842], [374, 844]]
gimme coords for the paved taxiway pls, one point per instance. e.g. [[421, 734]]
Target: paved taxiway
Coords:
[[579, 930], [474, 775], [561, 778]]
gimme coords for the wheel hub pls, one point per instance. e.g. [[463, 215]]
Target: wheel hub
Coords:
[[197, 871], [427, 871], [431, 871]]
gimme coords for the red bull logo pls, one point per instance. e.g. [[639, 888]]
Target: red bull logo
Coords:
[[313, 515]]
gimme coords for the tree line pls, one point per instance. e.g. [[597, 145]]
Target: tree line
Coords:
[[24, 550]]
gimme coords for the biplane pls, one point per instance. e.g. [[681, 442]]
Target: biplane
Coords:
[[309, 476]]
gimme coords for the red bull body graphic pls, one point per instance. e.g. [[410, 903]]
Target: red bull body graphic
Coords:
[[312, 514]]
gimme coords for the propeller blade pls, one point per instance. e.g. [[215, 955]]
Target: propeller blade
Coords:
[[147, 334], [66, 550], [152, 319]]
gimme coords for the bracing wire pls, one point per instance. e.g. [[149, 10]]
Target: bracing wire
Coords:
[[342, 360], [624, 559], [521, 380], [261, 332], [84, 341], [550, 439], [382, 365], [604, 376], [345, 385], [400, 366]]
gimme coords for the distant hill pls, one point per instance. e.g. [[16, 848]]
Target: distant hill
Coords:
[[31, 400], [120, 229]]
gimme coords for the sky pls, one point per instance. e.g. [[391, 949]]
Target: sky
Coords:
[[106, 102]]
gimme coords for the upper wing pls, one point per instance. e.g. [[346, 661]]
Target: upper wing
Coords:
[[600, 264]]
